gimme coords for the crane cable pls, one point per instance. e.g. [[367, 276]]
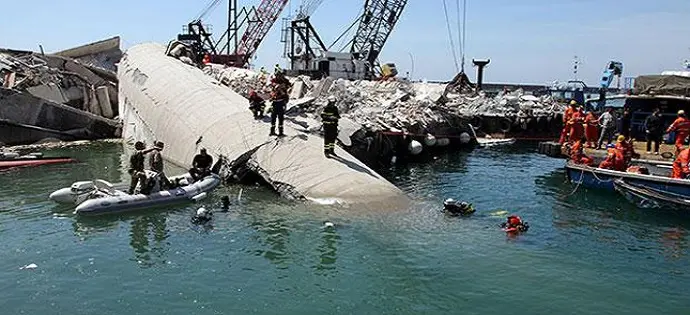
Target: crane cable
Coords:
[[450, 36], [209, 7], [461, 33]]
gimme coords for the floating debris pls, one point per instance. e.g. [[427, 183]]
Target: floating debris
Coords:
[[29, 266]]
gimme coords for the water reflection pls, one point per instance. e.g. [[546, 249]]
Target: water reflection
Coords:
[[276, 236], [328, 251], [149, 252], [674, 243]]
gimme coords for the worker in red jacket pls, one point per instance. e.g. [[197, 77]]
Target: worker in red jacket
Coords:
[[614, 159], [682, 128], [566, 121], [680, 165], [592, 129], [578, 156], [577, 127]]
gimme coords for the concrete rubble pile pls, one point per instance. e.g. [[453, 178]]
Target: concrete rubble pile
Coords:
[[396, 105], [54, 95]]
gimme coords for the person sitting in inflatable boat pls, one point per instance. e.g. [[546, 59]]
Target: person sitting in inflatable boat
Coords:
[[453, 207], [514, 224]]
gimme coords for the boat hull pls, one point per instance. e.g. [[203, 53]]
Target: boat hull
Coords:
[[5, 164], [597, 178], [124, 202], [645, 197]]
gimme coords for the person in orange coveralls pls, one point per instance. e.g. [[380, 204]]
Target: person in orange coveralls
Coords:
[[566, 120], [614, 160], [626, 147], [591, 129], [578, 156], [577, 127], [680, 165], [682, 128]]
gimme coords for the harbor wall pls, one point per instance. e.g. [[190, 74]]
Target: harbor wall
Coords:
[[161, 98]]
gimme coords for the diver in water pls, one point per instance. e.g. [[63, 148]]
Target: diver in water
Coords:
[[225, 203], [455, 208], [515, 224], [202, 216]]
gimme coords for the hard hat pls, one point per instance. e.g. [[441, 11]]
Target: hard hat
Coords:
[[621, 138], [573, 102], [332, 99], [681, 112], [450, 200], [610, 146]]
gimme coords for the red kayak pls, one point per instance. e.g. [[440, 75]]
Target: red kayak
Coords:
[[5, 164]]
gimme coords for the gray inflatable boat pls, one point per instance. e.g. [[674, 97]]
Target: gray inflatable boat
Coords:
[[100, 197]]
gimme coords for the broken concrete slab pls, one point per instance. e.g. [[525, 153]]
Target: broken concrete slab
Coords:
[[50, 91], [26, 109]]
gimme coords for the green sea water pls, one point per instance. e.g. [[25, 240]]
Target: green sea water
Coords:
[[587, 252]]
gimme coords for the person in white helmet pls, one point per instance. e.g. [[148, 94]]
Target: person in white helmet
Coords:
[[330, 117]]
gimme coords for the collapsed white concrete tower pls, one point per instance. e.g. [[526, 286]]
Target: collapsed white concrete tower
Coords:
[[161, 98]]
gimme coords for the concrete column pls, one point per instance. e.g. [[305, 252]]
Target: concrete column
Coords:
[[104, 102]]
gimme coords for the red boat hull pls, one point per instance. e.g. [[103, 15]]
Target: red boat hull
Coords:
[[34, 162]]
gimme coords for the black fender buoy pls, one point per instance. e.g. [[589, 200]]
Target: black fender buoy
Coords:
[[505, 125], [477, 122]]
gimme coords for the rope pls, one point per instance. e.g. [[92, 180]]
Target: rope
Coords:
[[460, 44], [450, 36], [582, 173], [601, 180]]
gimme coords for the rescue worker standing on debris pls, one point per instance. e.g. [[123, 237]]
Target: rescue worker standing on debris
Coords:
[[256, 104], [681, 168], [577, 127], [201, 165], [156, 163], [330, 117], [682, 128], [136, 165], [591, 129], [280, 97], [566, 121]]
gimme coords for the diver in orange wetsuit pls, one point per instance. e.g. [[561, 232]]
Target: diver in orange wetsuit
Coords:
[[577, 128], [682, 128], [614, 159], [591, 129], [680, 165], [566, 121], [578, 156]]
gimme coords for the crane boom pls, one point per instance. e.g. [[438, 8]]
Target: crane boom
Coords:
[[375, 25], [267, 13]]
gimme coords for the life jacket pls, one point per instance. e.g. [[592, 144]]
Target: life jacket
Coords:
[[330, 115], [591, 120], [207, 59]]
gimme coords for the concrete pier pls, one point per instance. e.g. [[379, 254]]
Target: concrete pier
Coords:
[[161, 98]]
